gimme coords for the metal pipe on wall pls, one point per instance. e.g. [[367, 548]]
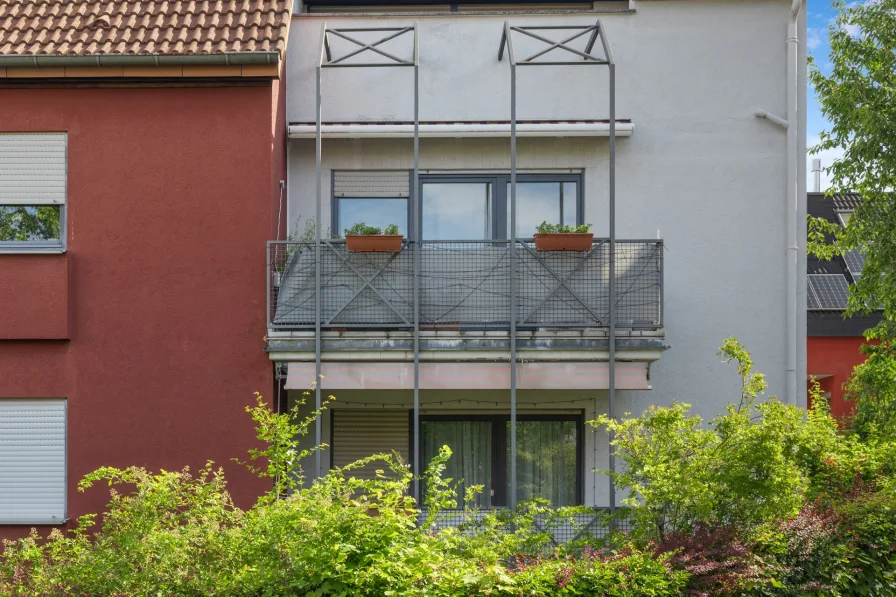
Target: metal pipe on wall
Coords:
[[317, 259], [611, 399], [792, 199]]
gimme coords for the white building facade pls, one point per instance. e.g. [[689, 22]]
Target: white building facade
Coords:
[[709, 206]]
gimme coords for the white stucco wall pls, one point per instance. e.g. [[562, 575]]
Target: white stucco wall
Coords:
[[700, 167]]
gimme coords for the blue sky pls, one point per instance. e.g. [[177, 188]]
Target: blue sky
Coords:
[[819, 15]]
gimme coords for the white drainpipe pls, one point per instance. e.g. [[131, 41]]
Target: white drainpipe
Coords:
[[792, 198]]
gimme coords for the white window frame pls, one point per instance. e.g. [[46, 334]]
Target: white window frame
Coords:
[[42, 246]]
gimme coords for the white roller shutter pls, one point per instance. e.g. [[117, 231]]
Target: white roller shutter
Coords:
[[385, 183], [32, 168], [361, 433], [32, 461]]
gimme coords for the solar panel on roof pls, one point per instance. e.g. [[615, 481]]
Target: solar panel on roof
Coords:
[[811, 299], [831, 290], [855, 262]]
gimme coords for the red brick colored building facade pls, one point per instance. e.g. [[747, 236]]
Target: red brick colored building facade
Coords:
[[141, 318]]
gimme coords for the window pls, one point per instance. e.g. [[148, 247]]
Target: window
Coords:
[[456, 206], [32, 461], [376, 198], [548, 456], [474, 207], [32, 191]]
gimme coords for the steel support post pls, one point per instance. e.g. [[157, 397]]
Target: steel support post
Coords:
[[513, 489], [417, 248], [317, 263], [611, 402]]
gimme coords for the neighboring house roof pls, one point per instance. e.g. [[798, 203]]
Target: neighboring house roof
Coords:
[[828, 281], [77, 28]]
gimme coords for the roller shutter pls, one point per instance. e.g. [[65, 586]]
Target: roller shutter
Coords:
[[360, 433], [385, 183], [32, 168], [32, 461]]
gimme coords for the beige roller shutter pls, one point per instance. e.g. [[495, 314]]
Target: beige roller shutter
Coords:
[[361, 433], [32, 461], [32, 168], [384, 183]]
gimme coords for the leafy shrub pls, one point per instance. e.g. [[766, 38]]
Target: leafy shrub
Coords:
[[546, 228], [364, 229]]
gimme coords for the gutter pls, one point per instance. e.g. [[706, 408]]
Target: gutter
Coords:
[[792, 207], [792, 203], [455, 130], [230, 58]]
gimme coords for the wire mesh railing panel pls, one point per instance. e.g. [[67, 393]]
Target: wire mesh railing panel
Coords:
[[465, 284], [639, 283], [583, 525]]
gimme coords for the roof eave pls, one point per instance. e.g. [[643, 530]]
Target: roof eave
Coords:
[[224, 59]]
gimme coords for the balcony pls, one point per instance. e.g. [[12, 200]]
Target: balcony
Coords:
[[464, 286]]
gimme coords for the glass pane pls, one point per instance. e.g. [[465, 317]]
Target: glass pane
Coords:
[[379, 212], [537, 202], [570, 203], [457, 211], [29, 222], [471, 458], [546, 461]]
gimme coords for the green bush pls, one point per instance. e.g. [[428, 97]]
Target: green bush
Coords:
[[765, 500]]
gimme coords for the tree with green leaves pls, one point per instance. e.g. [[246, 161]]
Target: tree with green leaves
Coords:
[[858, 97]]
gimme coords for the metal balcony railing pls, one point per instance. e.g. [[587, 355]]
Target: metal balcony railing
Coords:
[[464, 285]]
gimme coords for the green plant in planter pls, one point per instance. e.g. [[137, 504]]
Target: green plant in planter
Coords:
[[363, 229], [546, 228]]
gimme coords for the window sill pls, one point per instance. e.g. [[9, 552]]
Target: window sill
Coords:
[[32, 251]]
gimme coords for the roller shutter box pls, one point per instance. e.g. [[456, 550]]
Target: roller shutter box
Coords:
[[32, 168], [357, 183]]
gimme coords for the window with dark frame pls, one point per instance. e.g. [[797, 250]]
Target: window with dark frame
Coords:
[[477, 207], [459, 207], [549, 456]]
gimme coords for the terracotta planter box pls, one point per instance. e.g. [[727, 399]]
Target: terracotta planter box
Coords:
[[576, 241], [373, 243]]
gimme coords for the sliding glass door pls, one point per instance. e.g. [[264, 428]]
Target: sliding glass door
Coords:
[[548, 456]]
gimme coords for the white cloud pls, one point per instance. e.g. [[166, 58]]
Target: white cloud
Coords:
[[828, 157], [814, 38]]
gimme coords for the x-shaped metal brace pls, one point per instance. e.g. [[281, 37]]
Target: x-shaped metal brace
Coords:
[[561, 283], [367, 283], [580, 30], [393, 60]]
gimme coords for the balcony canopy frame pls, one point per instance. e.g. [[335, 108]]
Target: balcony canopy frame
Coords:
[[387, 59], [595, 33], [326, 59]]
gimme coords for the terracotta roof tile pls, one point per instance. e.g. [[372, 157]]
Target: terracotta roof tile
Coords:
[[172, 27]]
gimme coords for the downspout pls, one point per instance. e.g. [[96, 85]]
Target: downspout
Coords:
[[792, 202]]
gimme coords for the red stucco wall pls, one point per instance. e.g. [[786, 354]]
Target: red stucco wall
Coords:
[[35, 295], [170, 201], [834, 356]]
